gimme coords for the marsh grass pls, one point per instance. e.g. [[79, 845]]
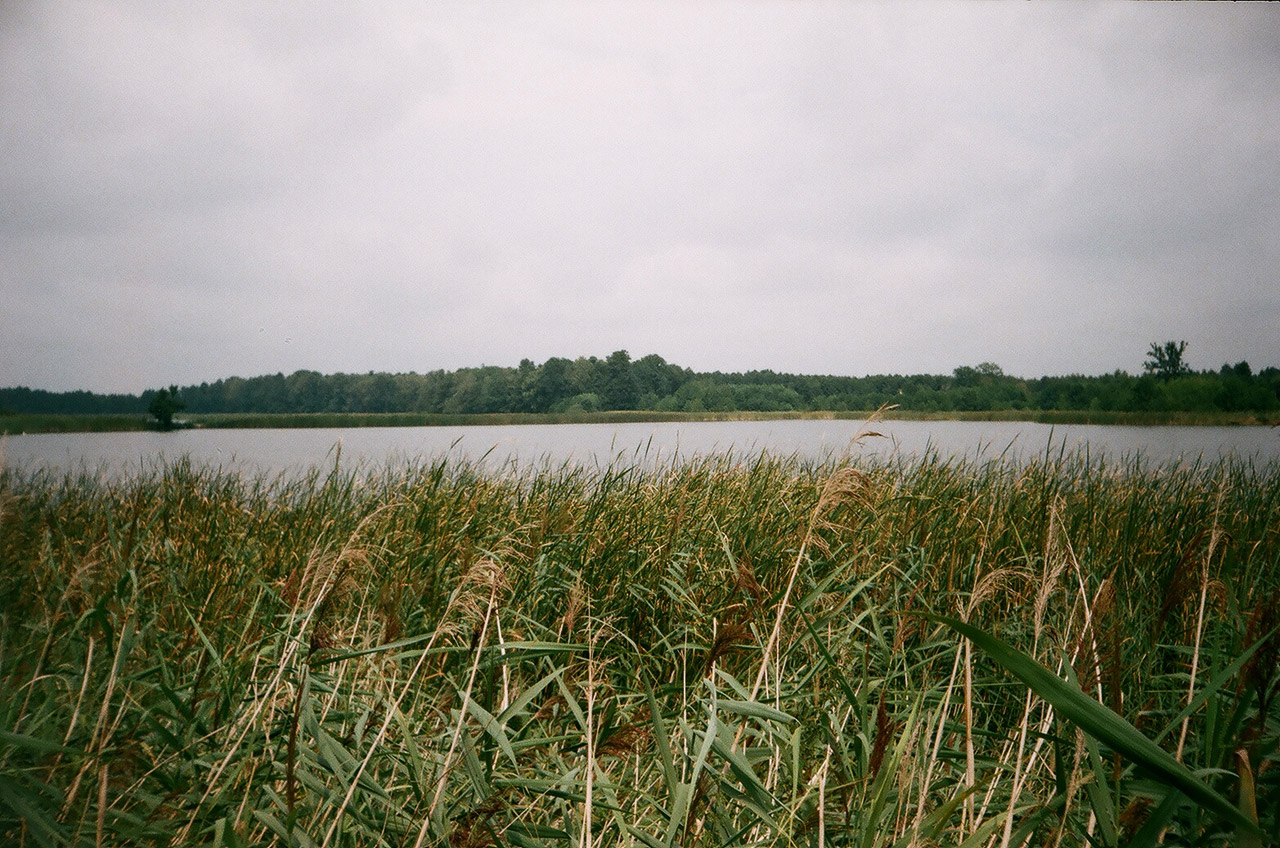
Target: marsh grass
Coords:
[[723, 651], [19, 423]]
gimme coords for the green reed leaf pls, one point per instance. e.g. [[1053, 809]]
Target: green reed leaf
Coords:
[[1099, 722]]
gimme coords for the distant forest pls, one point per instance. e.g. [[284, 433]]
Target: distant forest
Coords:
[[618, 382]]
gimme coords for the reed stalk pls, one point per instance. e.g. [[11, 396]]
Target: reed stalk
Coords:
[[721, 650]]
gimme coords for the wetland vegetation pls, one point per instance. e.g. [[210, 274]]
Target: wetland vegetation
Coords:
[[720, 651]]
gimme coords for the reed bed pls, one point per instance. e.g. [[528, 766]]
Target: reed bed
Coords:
[[752, 650]]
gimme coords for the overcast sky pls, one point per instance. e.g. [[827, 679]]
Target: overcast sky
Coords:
[[191, 191]]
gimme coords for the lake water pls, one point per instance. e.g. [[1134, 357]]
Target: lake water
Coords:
[[290, 452]]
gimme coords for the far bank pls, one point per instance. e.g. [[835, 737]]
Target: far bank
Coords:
[[33, 423]]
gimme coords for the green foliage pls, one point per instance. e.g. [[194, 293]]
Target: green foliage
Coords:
[[1165, 361], [22, 400], [164, 403], [621, 389], [548, 385], [585, 402], [1101, 724], [618, 383]]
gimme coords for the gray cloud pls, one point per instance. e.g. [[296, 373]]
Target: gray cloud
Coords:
[[191, 193]]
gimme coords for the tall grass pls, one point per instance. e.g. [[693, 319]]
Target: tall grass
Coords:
[[724, 651], [35, 422]]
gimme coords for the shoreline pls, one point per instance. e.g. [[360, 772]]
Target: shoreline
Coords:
[[20, 424]]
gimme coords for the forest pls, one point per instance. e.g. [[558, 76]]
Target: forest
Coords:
[[618, 382]]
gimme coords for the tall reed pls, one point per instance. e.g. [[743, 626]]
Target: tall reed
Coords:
[[727, 650]]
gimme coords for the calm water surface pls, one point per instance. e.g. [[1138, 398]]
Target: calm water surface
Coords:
[[274, 452]]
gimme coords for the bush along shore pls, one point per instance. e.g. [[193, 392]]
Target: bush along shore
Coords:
[[717, 652]]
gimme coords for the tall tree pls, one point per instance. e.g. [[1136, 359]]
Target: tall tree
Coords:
[[656, 378], [164, 404], [1165, 361], [620, 388], [551, 384]]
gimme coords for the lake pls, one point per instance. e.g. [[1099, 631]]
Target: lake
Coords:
[[291, 452]]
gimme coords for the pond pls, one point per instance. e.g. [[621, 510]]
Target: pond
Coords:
[[294, 451]]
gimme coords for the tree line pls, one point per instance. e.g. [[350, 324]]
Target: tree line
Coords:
[[618, 382]]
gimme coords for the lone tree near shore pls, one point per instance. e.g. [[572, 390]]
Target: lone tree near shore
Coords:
[[164, 404], [1165, 361]]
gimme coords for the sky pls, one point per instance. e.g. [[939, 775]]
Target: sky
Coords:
[[190, 192]]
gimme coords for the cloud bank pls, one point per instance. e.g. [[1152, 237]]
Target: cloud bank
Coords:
[[194, 193]]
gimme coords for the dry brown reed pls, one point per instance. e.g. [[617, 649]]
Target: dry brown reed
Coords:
[[710, 653]]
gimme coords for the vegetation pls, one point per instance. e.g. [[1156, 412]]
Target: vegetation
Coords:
[[717, 652], [70, 423], [164, 404], [1165, 361], [22, 400], [617, 383]]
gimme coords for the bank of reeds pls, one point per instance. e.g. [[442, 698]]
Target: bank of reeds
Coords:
[[35, 422], [725, 651]]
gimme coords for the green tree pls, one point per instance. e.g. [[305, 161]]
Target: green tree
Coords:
[[586, 375], [966, 376], [653, 378], [307, 391], [499, 389], [585, 402], [550, 385], [164, 404], [989, 369], [1165, 361], [620, 388]]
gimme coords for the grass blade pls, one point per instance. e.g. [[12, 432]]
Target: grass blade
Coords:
[[1099, 722]]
